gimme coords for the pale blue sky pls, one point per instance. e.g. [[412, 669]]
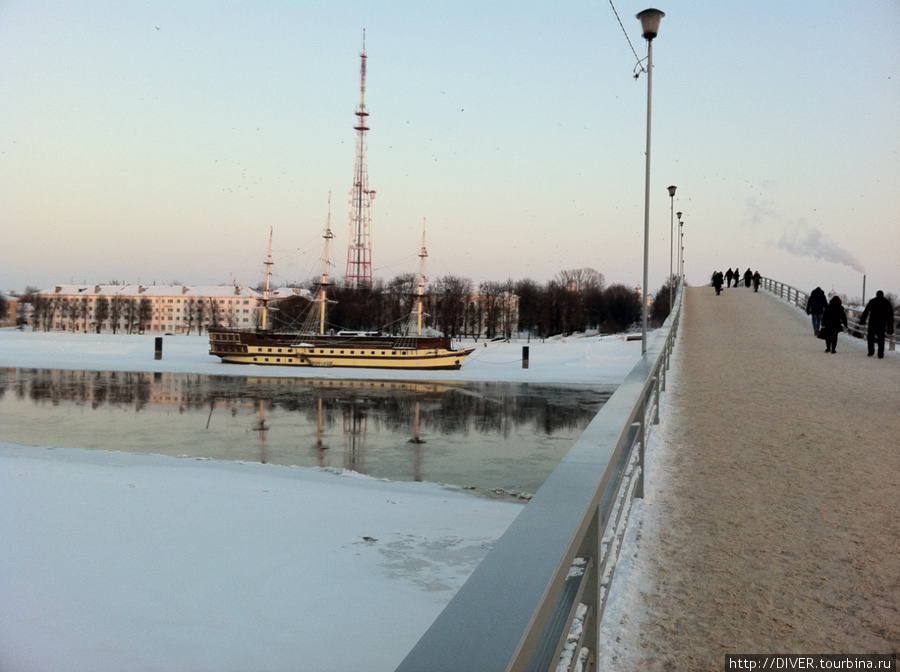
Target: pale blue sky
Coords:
[[159, 141]]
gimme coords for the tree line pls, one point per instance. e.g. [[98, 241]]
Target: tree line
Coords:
[[118, 313], [573, 301]]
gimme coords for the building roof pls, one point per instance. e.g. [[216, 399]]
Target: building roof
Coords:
[[188, 291], [191, 291]]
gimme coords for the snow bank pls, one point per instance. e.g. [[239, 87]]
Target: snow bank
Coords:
[[595, 359], [113, 561]]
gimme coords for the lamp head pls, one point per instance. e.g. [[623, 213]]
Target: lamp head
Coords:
[[650, 19], [672, 191], [678, 214]]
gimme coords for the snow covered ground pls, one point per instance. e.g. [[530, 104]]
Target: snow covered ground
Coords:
[[114, 561], [593, 359]]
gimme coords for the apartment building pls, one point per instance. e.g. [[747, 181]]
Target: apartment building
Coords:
[[173, 309]]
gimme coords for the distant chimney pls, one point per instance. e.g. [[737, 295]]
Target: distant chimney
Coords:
[[184, 290], [96, 289], [237, 290], [140, 289], [58, 289]]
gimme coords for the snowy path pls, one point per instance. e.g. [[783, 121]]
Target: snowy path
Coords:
[[771, 522]]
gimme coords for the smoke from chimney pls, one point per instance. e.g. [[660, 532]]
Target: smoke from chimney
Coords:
[[803, 240]]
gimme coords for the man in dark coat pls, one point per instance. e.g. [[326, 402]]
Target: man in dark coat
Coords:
[[815, 306], [717, 281], [880, 314]]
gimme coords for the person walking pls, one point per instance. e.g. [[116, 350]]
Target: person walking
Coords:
[[729, 276], [748, 276], [834, 319], [815, 306], [880, 314], [756, 280], [717, 281]]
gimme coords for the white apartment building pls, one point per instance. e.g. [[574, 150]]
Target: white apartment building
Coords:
[[173, 309]]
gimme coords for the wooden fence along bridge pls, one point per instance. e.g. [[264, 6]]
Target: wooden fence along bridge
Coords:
[[767, 520]]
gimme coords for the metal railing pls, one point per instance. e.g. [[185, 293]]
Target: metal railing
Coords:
[[536, 600], [799, 299]]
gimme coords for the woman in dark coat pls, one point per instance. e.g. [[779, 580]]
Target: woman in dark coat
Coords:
[[834, 319]]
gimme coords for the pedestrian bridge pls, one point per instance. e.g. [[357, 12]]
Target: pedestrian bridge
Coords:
[[771, 519], [767, 474]]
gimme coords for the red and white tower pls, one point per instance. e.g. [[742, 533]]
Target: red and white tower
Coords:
[[359, 251]]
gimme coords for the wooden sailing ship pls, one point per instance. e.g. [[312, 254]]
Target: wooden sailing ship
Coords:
[[312, 346]]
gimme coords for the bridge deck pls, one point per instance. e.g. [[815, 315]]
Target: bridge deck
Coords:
[[771, 522]]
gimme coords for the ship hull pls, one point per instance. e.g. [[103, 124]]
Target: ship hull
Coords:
[[347, 351]]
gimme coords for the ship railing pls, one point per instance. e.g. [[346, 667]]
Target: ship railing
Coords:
[[536, 600]]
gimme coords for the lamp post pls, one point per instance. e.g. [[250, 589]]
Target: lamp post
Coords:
[[680, 248], [649, 19], [672, 189]]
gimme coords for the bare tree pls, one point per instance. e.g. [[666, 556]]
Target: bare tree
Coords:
[[200, 314], [101, 312], [130, 314], [84, 313], [117, 307], [213, 312], [144, 313], [490, 300], [188, 316], [451, 298]]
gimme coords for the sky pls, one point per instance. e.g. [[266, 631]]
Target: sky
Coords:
[[147, 142]]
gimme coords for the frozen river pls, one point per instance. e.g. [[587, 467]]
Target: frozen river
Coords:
[[487, 436]]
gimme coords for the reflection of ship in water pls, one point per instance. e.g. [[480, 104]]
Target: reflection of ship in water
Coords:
[[356, 424], [443, 406], [450, 432]]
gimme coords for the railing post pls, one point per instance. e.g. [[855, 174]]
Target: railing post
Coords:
[[662, 370], [592, 547], [658, 387], [639, 484]]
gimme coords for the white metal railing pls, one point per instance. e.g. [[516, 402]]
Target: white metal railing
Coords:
[[536, 600], [799, 299]]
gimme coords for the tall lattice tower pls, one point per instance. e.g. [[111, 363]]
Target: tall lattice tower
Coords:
[[359, 250]]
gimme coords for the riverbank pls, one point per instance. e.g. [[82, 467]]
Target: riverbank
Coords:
[[576, 359]]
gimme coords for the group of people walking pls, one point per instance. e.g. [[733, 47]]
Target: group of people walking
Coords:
[[829, 319], [749, 277]]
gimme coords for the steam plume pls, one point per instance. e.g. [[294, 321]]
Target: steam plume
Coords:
[[803, 240]]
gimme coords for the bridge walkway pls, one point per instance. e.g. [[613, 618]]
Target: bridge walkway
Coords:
[[771, 518]]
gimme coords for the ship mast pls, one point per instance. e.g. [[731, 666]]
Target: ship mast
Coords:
[[324, 282], [265, 299], [420, 292], [359, 251], [314, 323]]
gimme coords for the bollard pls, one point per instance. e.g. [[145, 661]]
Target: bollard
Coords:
[[524, 356], [157, 352]]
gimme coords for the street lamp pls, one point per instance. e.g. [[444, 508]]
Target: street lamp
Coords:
[[649, 19], [671, 242], [680, 249]]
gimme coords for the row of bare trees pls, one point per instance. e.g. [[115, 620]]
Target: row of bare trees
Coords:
[[574, 301], [82, 314], [117, 313]]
